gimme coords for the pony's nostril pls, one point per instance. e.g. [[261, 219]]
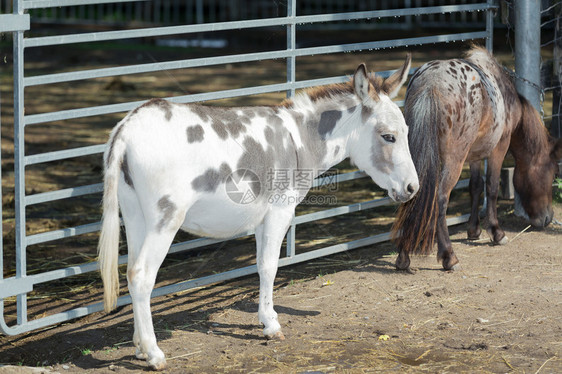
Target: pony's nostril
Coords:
[[410, 188]]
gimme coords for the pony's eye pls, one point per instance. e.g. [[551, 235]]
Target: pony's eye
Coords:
[[389, 138]]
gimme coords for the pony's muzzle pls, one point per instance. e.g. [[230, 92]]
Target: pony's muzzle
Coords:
[[542, 220], [406, 193]]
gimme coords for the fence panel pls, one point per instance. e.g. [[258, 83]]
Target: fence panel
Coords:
[[33, 163], [176, 12]]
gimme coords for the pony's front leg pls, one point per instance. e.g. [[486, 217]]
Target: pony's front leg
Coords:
[[403, 261], [269, 237], [476, 187], [492, 188]]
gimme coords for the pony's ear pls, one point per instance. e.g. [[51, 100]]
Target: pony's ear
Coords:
[[361, 83], [557, 150], [392, 84]]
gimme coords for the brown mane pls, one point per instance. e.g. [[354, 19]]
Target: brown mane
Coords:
[[477, 48], [323, 92], [530, 133], [335, 89]]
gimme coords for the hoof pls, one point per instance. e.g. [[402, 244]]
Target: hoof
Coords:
[[456, 267], [495, 241], [157, 360], [402, 264], [474, 238], [451, 262], [276, 336], [158, 365], [140, 355], [408, 270], [503, 241]]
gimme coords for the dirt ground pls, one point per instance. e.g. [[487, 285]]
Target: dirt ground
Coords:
[[349, 313]]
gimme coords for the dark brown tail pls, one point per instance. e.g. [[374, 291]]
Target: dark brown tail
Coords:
[[415, 226]]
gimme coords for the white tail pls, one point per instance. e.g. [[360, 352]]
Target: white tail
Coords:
[[108, 246]]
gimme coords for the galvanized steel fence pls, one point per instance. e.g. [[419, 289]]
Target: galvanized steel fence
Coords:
[[21, 283], [176, 12]]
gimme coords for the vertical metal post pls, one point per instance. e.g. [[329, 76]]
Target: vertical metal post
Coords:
[[490, 48], [15, 24], [490, 27], [291, 241], [19, 153], [291, 67], [409, 25], [1, 212], [527, 49], [556, 124], [199, 11], [527, 59], [291, 44]]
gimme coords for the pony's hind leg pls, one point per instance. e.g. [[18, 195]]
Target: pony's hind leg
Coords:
[[142, 277], [269, 237], [476, 187], [445, 252], [450, 174], [135, 230]]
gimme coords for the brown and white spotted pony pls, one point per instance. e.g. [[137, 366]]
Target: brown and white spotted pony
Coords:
[[467, 110], [219, 172]]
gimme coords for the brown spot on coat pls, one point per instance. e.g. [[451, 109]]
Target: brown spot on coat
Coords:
[[211, 178], [328, 121], [164, 105], [167, 208], [195, 134], [366, 112], [126, 172], [219, 128]]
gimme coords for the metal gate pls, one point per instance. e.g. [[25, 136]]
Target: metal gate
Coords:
[[20, 284]]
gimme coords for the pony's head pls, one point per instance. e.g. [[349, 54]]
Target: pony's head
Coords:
[[534, 171], [380, 144]]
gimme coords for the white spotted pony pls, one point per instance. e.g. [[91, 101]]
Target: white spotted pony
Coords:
[[204, 169]]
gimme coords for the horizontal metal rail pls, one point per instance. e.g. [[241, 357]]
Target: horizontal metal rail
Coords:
[[235, 25], [62, 233], [63, 194], [38, 4], [153, 67], [64, 154], [14, 22]]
